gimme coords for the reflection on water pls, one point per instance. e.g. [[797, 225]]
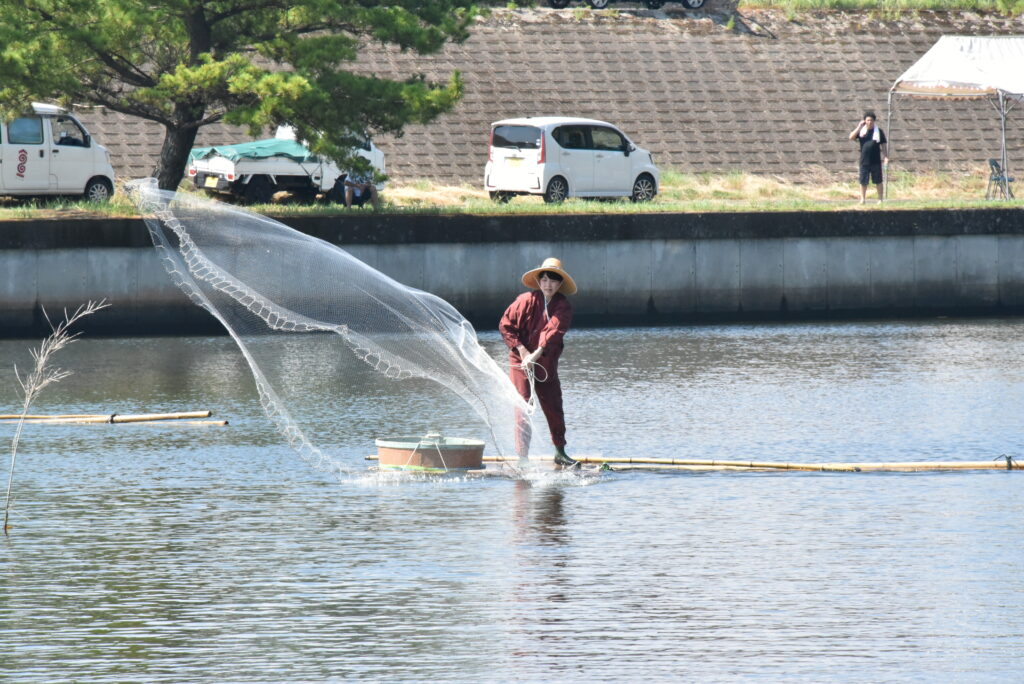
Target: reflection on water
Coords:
[[163, 553]]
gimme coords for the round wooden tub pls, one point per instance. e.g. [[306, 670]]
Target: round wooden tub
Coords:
[[431, 453]]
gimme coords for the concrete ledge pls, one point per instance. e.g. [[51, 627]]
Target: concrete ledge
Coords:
[[365, 228], [631, 269]]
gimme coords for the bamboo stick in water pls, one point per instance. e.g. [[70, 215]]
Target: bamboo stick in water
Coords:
[[107, 422], [1000, 464], [111, 418], [175, 423], [641, 463], [32, 416]]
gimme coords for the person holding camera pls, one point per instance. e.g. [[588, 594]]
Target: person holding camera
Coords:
[[873, 153]]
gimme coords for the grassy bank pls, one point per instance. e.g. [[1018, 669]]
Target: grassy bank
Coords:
[[687, 192], [680, 192], [1008, 7]]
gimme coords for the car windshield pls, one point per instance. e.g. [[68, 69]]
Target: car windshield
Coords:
[[521, 137]]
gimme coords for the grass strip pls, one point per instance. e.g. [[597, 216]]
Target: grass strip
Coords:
[[680, 193]]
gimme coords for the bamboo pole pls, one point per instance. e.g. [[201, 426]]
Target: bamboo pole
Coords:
[[641, 463], [622, 467], [116, 418], [30, 416], [839, 467], [820, 467], [84, 420], [107, 422], [212, 423], [146, 417]]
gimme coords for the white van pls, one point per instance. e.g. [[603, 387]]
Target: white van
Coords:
[[559, 157], [50, 153]]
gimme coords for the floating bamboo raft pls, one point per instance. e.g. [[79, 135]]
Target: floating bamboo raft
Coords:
[[640, 463], [179, 418]]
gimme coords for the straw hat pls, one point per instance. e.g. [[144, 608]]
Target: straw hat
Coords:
[[554, 265]]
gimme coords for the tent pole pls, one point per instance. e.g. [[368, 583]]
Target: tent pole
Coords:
[[1003, 161], [888, 148]]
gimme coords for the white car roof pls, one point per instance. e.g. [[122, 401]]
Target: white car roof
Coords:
[[550, 121], [285, 133], [42, 109]]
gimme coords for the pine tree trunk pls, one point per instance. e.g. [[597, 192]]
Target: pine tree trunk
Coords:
[[178, 142]]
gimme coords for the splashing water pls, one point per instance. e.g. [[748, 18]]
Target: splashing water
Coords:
[[273, 287]]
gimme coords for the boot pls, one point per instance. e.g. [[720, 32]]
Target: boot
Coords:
[[563, 460]]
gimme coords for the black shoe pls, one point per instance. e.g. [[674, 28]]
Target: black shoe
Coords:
[[562, 460]]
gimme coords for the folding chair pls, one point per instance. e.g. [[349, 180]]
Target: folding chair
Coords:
[[998, 182]]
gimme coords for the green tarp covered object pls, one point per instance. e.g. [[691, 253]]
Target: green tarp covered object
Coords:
[[258, 149]]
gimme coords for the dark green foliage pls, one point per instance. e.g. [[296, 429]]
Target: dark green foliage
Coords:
[[258, 63]]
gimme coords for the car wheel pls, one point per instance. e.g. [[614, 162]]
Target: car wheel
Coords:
[[598, 4], [258, 190], [98, 190], [558, 190], [644, 189], [655, 4], [501, 197], [693, 4], [559, 4]]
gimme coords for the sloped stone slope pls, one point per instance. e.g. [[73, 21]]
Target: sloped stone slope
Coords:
[[768, 94]]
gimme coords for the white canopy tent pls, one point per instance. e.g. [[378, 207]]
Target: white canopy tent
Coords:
[[970, 68]]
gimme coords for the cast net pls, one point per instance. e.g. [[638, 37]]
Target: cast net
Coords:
[[289, 299]]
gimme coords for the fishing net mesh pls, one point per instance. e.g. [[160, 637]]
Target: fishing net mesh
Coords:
[[283, 295]]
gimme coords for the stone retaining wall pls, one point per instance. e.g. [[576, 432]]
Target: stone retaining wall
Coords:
[[716, 90]]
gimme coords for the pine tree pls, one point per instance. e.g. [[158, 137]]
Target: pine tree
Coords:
[[258, 63]]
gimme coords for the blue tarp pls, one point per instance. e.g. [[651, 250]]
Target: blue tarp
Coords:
[[258, 149]]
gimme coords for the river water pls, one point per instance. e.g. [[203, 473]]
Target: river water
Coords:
[[165, 553]]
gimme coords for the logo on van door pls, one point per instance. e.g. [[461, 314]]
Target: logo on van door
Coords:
[[22, 160]]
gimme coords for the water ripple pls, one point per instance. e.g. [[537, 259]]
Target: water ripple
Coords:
[[164, 555]]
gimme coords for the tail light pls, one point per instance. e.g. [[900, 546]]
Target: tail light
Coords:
[[191, 171], [540, 160]]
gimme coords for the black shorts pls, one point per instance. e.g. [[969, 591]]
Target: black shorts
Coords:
[[872, 171], [359, 199]]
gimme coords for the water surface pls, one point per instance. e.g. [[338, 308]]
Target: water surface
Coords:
[[160, 553]]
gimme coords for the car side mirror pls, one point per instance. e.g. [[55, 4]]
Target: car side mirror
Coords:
[[626, 149], [87, 140]]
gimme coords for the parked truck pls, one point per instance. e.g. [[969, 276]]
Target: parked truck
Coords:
[[254, 171], [49, 152]]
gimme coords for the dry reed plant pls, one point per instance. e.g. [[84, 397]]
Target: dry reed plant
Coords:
[[42, 375]]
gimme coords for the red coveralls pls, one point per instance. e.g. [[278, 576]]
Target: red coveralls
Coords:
[[526, 323]]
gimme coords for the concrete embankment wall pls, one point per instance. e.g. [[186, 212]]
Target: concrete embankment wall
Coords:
[[630, 269]]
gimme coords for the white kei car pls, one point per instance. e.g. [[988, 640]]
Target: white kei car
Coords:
[[49, 152], [559, 157]]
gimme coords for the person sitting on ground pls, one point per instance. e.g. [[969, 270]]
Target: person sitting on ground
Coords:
[[358, 189]]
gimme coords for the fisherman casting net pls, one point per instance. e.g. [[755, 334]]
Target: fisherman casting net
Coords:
[[278, 291]]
